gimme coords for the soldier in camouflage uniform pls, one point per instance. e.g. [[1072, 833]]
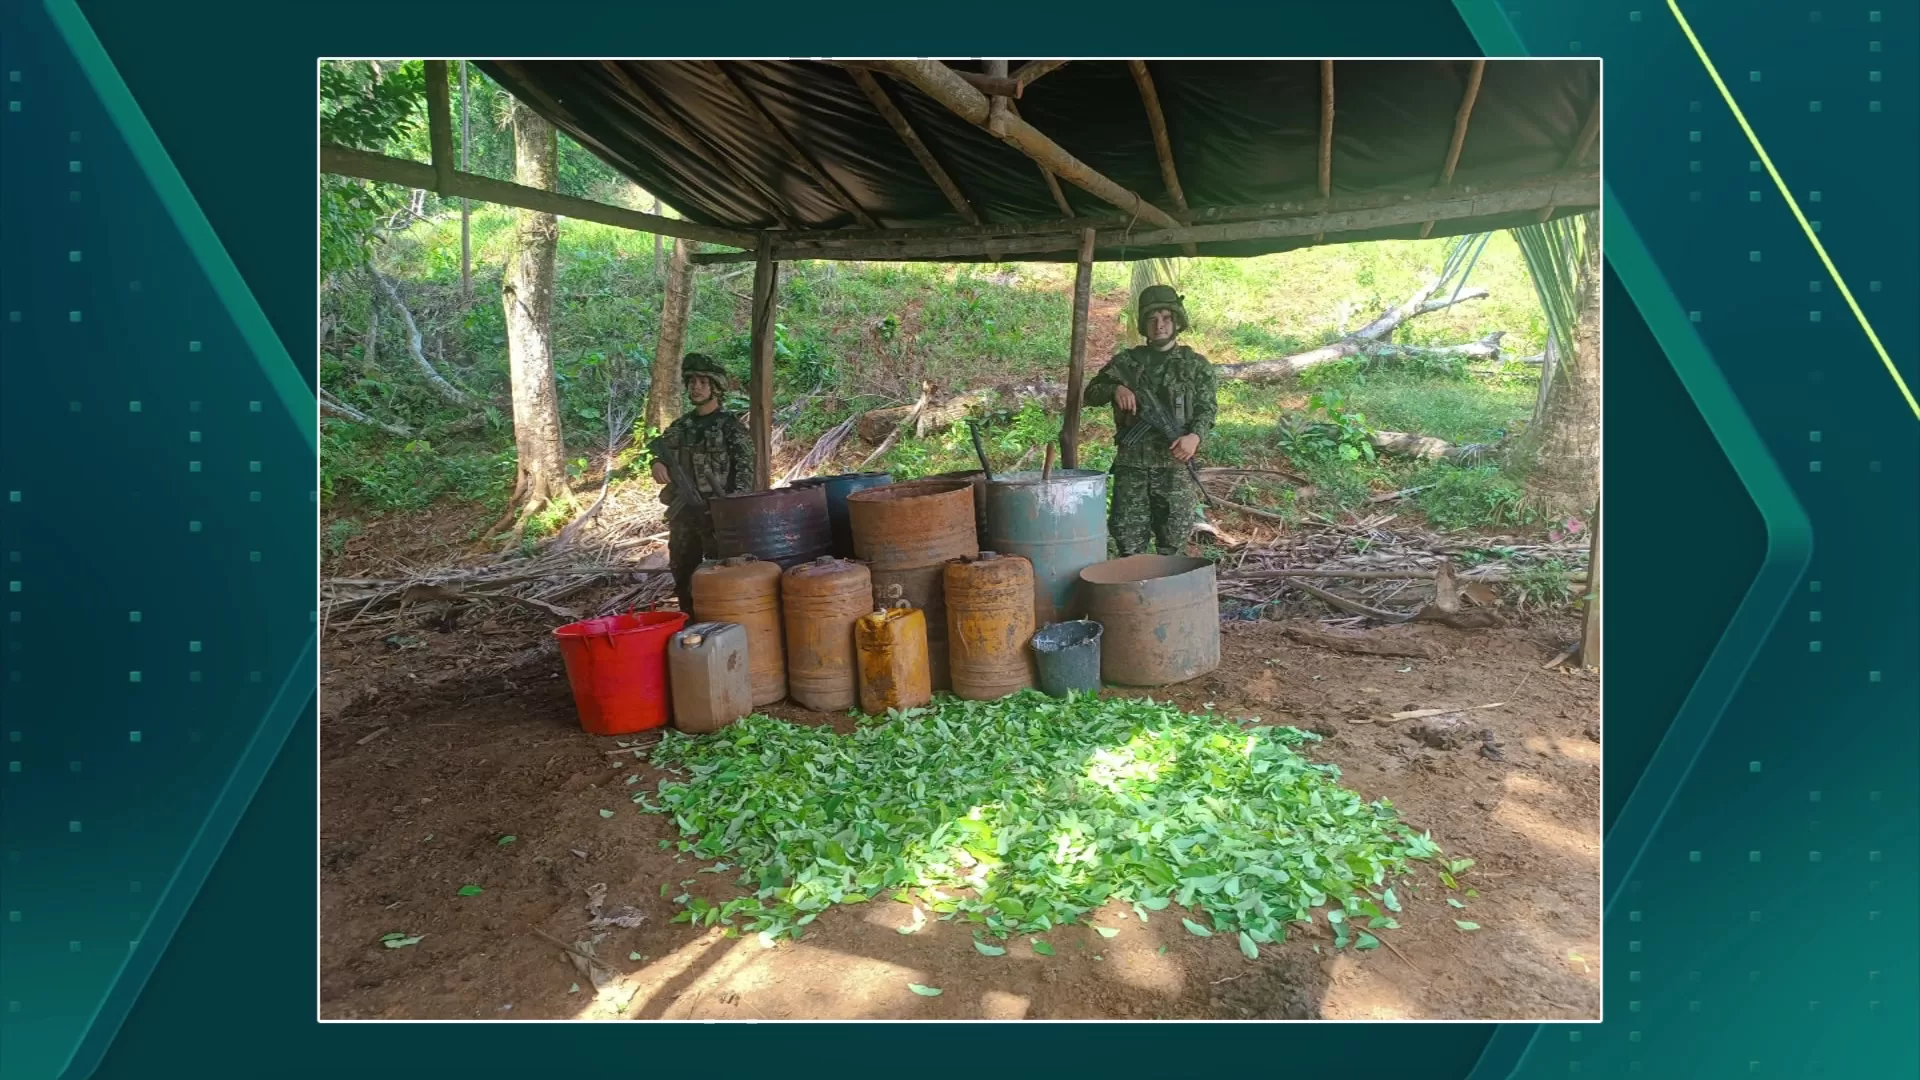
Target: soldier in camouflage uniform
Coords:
[[1155, 497], [712, 446]]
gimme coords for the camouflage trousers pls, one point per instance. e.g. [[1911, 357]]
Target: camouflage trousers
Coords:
[[686, 549], [1152, 507]]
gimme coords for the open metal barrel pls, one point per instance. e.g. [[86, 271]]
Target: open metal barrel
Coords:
[[1162, 618]]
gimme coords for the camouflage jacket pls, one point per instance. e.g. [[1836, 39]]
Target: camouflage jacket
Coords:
[[1180, 379], [715, 450]]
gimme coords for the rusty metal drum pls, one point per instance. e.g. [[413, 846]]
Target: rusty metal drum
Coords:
[[979, 481], [906, 533], [785, 526], [837, 489], [747, 591], [1060, 526], [989, 623], [1160, 616], [820, 601]]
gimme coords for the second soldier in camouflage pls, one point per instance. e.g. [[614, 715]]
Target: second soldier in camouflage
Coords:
[[1155, 498]]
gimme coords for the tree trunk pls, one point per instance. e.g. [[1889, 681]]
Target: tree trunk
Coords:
[[527, 297], [1562, 451], [663, 397]]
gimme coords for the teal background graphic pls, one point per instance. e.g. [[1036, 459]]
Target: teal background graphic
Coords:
[[157, 440]]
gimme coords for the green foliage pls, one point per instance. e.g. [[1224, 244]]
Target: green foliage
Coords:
[[1466, 498], [341, 530], [1546, 586], [1555, 252], [1042, 810], [364, 109], [390, 474], [1328, 430]]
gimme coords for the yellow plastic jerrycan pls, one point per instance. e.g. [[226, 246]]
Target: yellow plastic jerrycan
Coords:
[[890, 645]]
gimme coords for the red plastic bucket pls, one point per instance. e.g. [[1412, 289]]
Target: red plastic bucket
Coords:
[[617, 666]]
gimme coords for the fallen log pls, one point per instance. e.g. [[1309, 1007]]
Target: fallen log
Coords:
[[441, 386], [933, 418], [1288, 367], [1361, 644], [1428, 448], [910, 420]]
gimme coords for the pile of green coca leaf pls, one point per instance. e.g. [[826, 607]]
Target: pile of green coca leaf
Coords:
[[1029, 812]]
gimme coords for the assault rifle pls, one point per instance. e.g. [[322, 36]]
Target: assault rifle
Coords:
[[686, 496], [1151, 417]]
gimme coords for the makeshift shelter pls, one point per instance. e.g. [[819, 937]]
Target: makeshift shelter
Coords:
[[1043, 160]]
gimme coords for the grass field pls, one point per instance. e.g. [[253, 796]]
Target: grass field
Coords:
[[858, 336]]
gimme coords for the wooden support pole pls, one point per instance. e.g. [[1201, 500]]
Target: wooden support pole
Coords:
[[657, 112], [1162, 145], [343, 161], [766, 275], [940, 82], [1460, 118], [1326, 135], [1589, 132], [466, 205], [826, 183], [997, 106], [1589, 652], [1330, 217], [439, 123], [1077, 354], [897, 120]]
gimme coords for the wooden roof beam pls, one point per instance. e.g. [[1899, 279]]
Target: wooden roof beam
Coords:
[[1162, 145], [944, 85], [1589, 132], [986, 84], [1329, 217], [1032, 70], [897, 120], [693, 144], [826, 183], [359, 164], [1460, 119], [1326, 134]]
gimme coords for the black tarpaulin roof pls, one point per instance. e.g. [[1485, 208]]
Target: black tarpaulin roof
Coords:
[[1241, 133]]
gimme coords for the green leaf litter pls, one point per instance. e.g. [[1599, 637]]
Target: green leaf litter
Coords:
[[1025, 814]]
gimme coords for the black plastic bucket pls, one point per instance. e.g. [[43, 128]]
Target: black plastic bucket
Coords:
[[1067, 657]]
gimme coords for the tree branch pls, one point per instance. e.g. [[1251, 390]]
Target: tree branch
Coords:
[[445, 389], [334, 406]]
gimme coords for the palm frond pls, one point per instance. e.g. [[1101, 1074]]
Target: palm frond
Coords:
[[1555, 252]]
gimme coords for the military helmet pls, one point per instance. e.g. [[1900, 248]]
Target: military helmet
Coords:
[[702, 364], [1161, 298]]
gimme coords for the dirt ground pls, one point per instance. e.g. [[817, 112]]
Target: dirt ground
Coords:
[[430, 758]]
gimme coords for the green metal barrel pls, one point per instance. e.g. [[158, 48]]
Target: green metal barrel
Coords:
[[1059, 525]]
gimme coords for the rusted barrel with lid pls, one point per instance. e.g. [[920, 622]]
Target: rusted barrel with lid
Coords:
[[989, 622], [906, 533], [746, 590], [820, 601]]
